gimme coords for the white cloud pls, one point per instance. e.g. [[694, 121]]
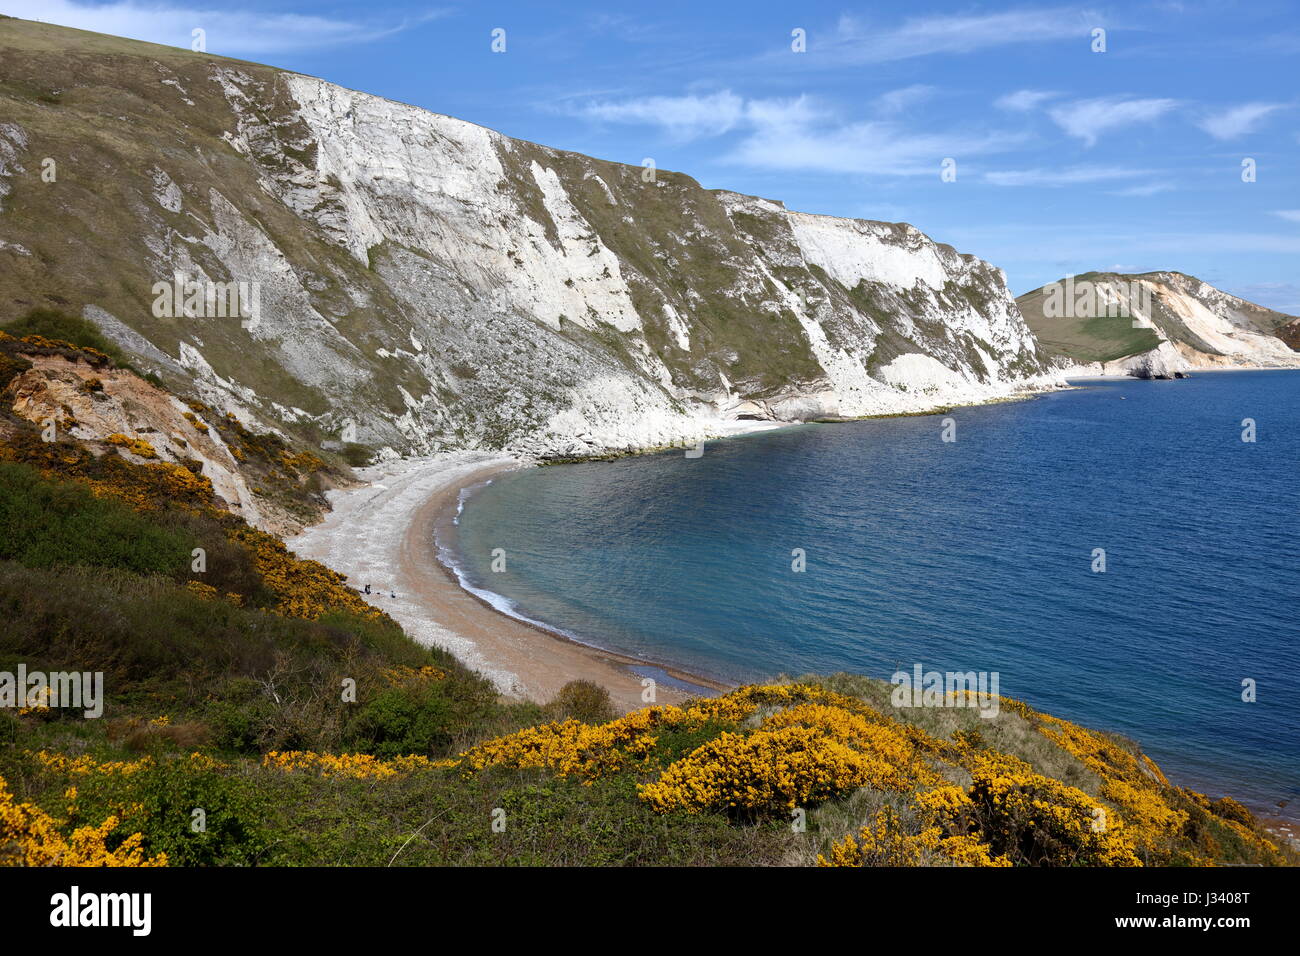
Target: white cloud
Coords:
[[796, 134], [1148, 189], [778, 114], [228, 31], [1089, 119], [855, 42], [1290, 215], [684, 117], [866, 148], [1022, 101], [900, 100], [1237, 121], [1070, 176]]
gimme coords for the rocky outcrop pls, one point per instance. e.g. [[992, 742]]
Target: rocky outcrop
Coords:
[[113, 405], [52, 391], [425, 284]]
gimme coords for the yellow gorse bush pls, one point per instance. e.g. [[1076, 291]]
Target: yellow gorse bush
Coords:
[[572, 748], [889, 842], [136, 446], [764, 771], [1038, 820], [804, 754], [86, 765], [31, 837], [1136, 786], [306, 589], [198, 424], [1008, 815], [351, 766], [402, 676]]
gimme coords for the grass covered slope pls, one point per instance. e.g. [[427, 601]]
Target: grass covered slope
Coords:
[[1202, 322], [1084, 339], [258, 712]]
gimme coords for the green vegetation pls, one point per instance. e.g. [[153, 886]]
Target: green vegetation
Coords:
[[357, 455], [61, 327], [45, 524], [1115, 337], [1085, 339]]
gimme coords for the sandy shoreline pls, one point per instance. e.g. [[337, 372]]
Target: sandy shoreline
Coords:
[[383, 534]]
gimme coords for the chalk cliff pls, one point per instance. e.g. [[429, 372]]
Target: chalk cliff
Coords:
[[423, 283]]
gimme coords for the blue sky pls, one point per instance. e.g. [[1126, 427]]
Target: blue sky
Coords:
[[1066, 159]]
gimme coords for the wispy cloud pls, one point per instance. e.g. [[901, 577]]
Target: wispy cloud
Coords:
[[227, 30], [1069, 176], [798, 134], [1022, 101], [1146, 189], [683, 117], [1237, 121], [1089, 119], [1290, 215], [858, 42], [901, 100], [873, 148]]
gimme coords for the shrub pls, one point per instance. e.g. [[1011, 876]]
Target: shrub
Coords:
[[358, 456], [31, 837], [162, 799], [805, 754], [428, 717], [583, 700], [1031, 819], [402, 721]]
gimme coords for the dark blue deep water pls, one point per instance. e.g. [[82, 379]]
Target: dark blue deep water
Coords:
[[971, 555]]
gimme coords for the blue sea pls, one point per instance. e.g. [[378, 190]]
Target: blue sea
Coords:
[[976, 554]]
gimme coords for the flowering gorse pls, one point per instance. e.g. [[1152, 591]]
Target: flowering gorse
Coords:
[[31, 837]]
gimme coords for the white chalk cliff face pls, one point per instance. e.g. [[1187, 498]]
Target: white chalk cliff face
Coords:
[[430, 284], [1203, 327], [1173, 323]]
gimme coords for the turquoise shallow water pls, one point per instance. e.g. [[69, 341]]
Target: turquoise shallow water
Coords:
[[971, 555]]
